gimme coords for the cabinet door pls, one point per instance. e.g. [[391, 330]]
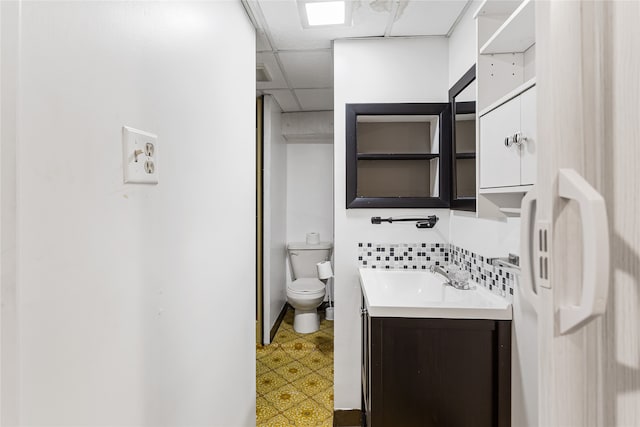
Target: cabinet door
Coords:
[[528, 129], [500, 165]]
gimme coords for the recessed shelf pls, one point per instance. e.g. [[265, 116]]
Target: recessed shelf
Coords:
[[517, 91], [397, 156], [517, 34]]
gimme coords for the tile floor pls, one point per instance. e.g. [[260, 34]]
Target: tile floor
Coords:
[[294, 377]]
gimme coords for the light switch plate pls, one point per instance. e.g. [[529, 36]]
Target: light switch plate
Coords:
[[140, 156]]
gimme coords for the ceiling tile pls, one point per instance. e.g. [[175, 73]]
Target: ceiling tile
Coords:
[[268, 59], [315, 99], [308, 69], [427, 18], [262, 43], [285, 99], [286, 29]]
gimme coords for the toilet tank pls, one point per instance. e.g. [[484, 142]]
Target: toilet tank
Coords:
[[304, 257]]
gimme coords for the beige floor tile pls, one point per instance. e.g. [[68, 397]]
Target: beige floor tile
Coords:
[[309, 413], [264, 351], [326, 372], [269, 382], [277, 359], [298, 348], [312, 384], [284, 336], [285, 397], [261, 368], [316, 360], [278, 421], [264, 410], [294, 371], [294, 378], [325, 398]]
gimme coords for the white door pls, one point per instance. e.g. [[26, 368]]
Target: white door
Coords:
[[588, 68], [499, 164]]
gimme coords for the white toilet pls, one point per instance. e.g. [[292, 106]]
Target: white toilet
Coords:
[[306, 292]]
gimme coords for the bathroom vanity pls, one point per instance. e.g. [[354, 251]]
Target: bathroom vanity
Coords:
[[433, 355]]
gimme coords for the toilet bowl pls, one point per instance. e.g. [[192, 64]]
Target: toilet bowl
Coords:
[[305, 295], [306, 292]]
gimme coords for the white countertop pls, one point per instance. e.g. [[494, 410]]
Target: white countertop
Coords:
[[422, 294]]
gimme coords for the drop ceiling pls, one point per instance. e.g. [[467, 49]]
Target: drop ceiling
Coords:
[[299, 62]]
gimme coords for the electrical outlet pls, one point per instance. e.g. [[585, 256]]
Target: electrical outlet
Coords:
[[140, 152], [542, 253]]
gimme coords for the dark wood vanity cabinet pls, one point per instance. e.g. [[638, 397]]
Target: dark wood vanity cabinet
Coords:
[[436, 372]]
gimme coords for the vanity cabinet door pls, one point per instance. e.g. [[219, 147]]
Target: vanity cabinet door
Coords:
[[528, 129], [499, 164], [438, 373]]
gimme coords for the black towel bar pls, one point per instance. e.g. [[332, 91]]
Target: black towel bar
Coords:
[[428, 222]]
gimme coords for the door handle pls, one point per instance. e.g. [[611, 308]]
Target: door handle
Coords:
[[516, 139], [595, 262], [527, 278]]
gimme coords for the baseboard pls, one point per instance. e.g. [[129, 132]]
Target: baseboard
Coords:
[[276, 325], [347, 418]]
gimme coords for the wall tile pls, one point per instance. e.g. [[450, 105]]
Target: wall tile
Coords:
[[408, 256]]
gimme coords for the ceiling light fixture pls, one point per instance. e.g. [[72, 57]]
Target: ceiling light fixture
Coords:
[[323, 13]]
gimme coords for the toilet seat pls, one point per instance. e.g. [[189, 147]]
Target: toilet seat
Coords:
[[305, 286]]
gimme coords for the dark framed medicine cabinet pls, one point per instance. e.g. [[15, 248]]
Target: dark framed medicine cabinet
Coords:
[[462, 97], [398, 155]]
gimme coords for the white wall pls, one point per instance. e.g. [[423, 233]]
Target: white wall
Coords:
[[309, 193], [369, 71], [462, 44], [275, 215], [309, 190], [136, 303], [497, 238]]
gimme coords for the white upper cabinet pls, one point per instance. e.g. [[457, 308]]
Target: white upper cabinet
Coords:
[[506, 104], [508, 143], [499, 163]]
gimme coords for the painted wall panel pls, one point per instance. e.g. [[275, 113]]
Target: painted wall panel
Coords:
[[136, 303], [370, 71]]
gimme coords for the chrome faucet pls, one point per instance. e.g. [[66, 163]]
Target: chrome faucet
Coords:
[[437, 269], [455, 279]]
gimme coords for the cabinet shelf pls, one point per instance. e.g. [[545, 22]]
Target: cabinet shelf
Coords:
[[465, 155], [397, 156], [509, 96], [517, 34]]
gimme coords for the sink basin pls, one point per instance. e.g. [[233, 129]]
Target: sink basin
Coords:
[[402, 293]]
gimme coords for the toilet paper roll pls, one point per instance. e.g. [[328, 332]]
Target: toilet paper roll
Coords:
[[313, 238], [324, 270]]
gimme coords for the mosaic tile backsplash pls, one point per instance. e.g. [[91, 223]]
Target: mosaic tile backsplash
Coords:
[[496, 279], [408, 256], [420, 256]]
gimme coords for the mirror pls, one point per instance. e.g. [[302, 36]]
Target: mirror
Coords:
[[463, 107]]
